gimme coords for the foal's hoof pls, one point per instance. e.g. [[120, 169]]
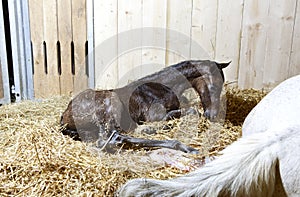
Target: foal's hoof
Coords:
[[192, 151], [188, 149]]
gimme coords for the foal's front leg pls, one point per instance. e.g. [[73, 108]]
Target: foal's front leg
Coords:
[[134, 143], [172, 114]]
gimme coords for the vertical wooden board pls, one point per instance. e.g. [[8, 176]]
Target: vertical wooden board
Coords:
[[204, 28], [37, 36], [106, 43], [253, 44], [279, 41], [179, 20], [229, 35], [294, 68], [129, 40], [79, 39], [153, 35], [64, 14], [50, 37]]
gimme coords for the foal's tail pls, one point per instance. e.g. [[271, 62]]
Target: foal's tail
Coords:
[[246, 168]]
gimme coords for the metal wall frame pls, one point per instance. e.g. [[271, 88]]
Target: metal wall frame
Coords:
[[91, 43], [21, 49], [3, 61]]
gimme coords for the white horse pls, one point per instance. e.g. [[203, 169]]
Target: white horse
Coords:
[[264, 162]]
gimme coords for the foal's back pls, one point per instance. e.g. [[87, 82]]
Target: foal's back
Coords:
[[151, 102]]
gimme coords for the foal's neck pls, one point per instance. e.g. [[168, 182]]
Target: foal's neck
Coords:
[[177, 77]]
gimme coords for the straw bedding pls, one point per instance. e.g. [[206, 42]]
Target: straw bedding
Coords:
[[37, 160]]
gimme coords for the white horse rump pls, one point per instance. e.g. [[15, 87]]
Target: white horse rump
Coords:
[[264, 162]]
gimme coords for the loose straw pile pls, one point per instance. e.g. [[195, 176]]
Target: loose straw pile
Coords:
[[37, 160]]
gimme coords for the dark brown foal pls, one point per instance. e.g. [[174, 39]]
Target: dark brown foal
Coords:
[[105, 116]]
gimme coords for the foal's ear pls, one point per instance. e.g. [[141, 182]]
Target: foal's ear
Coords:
[[222, 65]]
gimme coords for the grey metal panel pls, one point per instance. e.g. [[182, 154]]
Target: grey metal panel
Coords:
[[15, 47], [27, 49], [21, 49], [3, 56]]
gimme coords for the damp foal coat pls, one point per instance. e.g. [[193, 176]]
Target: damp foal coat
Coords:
[[264, 162]]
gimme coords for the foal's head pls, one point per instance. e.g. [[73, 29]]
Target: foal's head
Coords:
[[209, 86]]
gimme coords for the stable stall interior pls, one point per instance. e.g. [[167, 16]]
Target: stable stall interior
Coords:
[[59, 48]]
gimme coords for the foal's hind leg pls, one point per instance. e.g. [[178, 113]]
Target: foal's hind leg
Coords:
[[131, 142]]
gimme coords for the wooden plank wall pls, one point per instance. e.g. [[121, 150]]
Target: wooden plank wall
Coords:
[[138, 37], [59, 36], [268, 34], [261, 38]]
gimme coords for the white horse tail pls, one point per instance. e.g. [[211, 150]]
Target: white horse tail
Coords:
[[246, 168]]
